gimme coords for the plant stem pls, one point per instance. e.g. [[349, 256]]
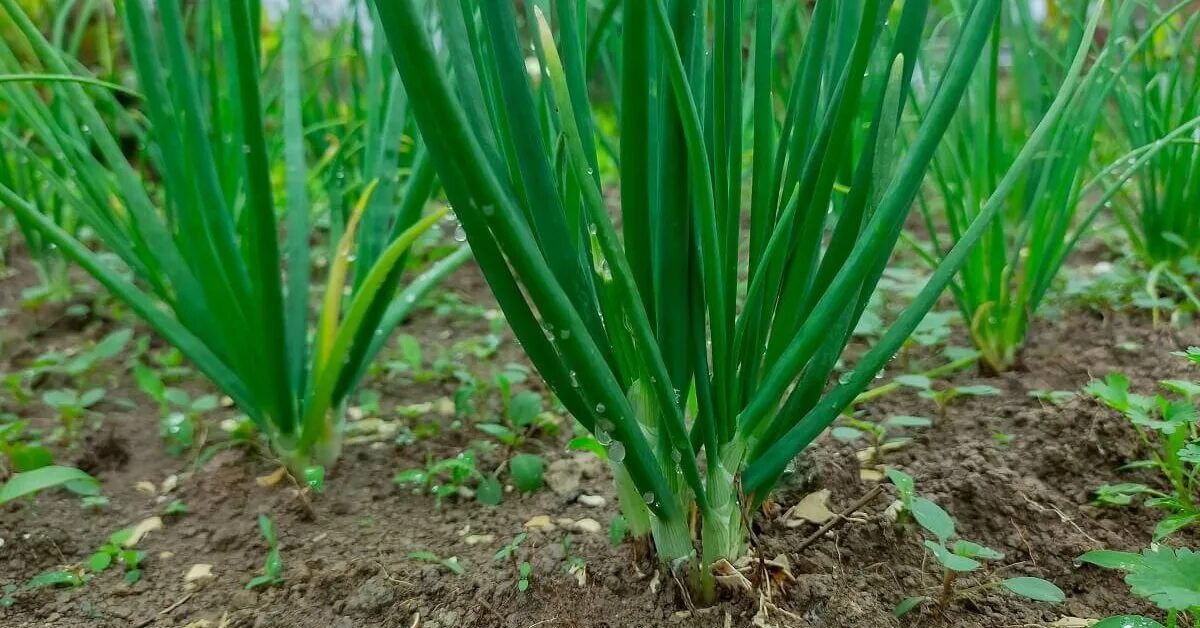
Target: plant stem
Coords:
[[948, 578], [893, 386]]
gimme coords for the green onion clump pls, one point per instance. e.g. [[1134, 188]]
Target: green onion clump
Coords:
[[701, 388], [192, 211], [1008, 275], [74, 23], [1160, 95]]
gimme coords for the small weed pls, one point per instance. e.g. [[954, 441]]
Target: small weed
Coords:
[[450, 564], [272, 572], [522, 566], [958, 558], [878, 434], [116, 551], [1167, 426], [942, 398]]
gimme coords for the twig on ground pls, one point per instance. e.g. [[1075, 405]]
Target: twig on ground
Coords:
[[1063, 517], [841, 518]]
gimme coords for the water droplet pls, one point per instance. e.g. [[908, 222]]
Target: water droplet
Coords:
[[844, 378], [616, 451], [648, 497], [591, 172], [603, 438], [459, 234], [600, 408], [574, 380]]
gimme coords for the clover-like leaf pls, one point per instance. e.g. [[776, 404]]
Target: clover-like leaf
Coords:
[[1169, 578], [1113, 391]]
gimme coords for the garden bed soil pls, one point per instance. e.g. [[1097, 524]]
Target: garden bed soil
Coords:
[[346, 556]]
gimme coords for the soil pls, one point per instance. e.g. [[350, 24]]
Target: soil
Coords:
[[346, 552]]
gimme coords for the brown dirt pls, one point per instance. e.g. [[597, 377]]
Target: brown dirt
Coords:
[[346, 561]]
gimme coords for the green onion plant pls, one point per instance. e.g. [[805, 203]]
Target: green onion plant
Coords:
[[1159, 95], [196, 227], [702, 391], [1008, 275], [75, 21]]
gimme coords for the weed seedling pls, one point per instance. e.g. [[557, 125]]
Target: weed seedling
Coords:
[[942, 398], [442, 478], [19, 453], [181, 414], [71, 406], [522, 566], [116, 550], [878, 434], [85, 363], [958, 558], [65, 578], [1167, 577], [175, 508], [521, 416], [1167, 427], [48, 477], [451, 563], [272, 573], [94, 502], [1053, 397]]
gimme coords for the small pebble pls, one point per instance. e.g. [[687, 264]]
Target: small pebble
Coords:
[[588, 526], [595, 501]]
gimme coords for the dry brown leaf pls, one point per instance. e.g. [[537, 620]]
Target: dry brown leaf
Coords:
[[199, 571], [144, 527], [580, 573], [1073, 622], [540, 522], [731, 577], [814, 508], [272, 478], [870, 475]]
